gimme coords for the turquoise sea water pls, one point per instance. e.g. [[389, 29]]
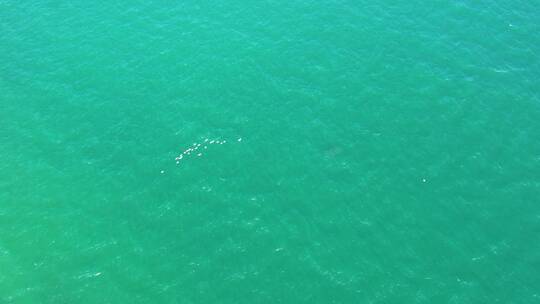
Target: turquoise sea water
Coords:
[[390, 152]]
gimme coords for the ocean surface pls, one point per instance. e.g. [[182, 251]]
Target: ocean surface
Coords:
[[332, 151]]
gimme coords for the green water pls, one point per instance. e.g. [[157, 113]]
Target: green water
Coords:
[[389, 153]]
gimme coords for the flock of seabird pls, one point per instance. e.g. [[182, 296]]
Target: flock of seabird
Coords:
[[197, 149]]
